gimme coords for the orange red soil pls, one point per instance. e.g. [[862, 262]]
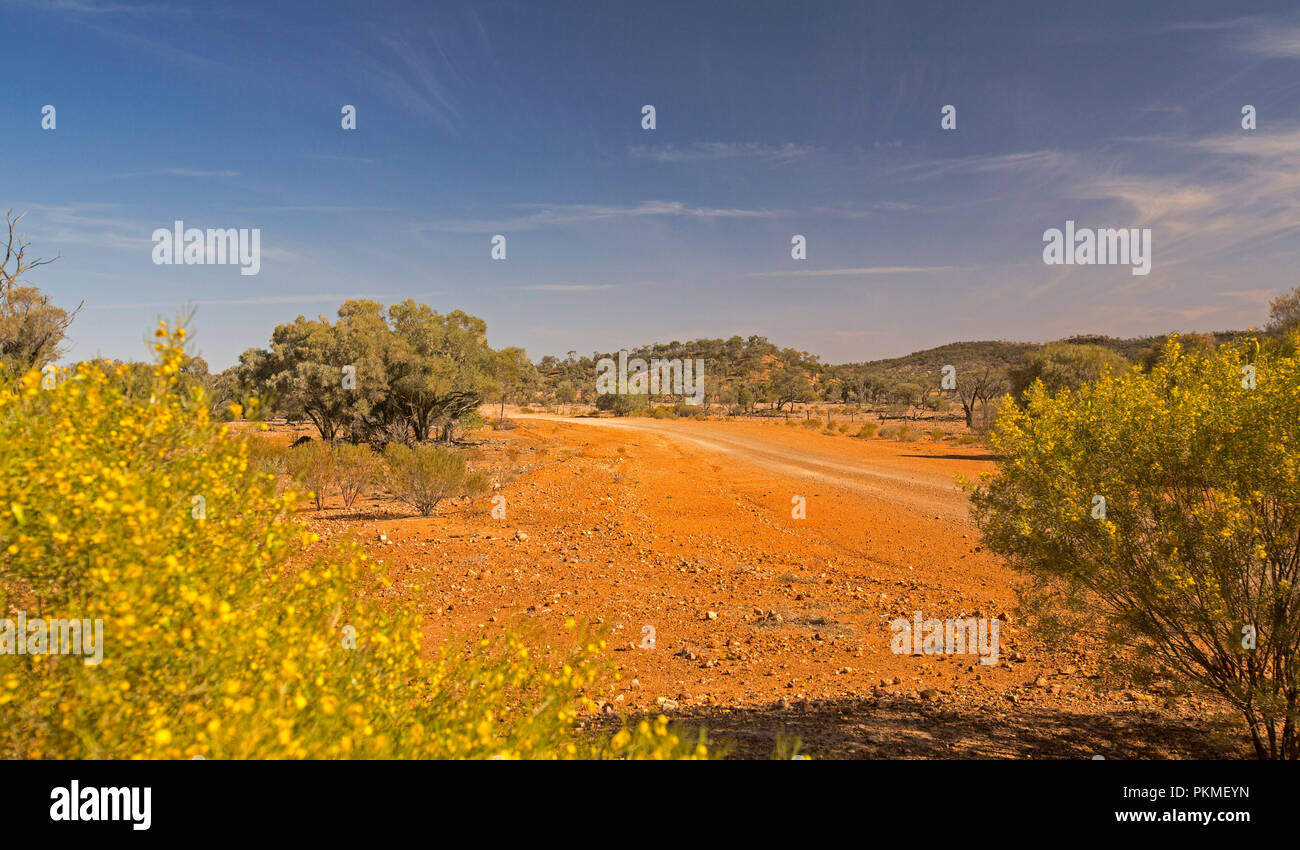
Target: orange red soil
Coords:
[[767, 624]]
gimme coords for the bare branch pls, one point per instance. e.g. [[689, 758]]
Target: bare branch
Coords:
[[16, 251]]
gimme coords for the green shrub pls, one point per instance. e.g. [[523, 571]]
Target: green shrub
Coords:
[[901, 432], [425, 475], [622, 404], [468, 423], [1160, 509], [312, 466], [867, 431], [355, 470]]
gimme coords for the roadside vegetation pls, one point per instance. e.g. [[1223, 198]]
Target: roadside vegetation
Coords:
[[1161, 510], [228, 630]]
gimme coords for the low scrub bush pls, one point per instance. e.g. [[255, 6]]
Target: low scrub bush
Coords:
[[312, 467], [425, 475], [468, 424], [867, 431], [622, 404], [902, 432], [355, 470], [266, 456]]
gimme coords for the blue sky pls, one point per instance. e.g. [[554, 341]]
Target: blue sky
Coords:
[[773, 119]]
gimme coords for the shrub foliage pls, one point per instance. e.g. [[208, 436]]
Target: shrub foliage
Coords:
[[1194, 556], [228, 632]]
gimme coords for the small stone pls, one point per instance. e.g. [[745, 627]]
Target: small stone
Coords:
[[712, 615]]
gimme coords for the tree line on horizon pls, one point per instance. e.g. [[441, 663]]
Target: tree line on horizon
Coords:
[[419, 375]]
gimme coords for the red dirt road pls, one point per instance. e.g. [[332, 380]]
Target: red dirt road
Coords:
[[767, 624]]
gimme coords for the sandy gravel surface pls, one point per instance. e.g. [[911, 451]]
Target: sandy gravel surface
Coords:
[[767, 624]]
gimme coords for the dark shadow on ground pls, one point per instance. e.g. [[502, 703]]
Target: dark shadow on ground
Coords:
[[899, 727], [960, 456]]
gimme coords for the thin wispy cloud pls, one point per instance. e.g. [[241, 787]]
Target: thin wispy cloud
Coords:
[[1254, 296], [1040, 160], [867, 270], [1198, 213], [554, 215], [318, 298], [563, 214], [1267, 37], [412, 75], [91, 224], [342, 158], [91, 7], [1276, 44], [325, 209], [566, 287], [178, 172], [713, 151]]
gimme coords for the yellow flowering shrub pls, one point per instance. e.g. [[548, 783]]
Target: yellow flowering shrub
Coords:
[[225, 633], [1166, 506]]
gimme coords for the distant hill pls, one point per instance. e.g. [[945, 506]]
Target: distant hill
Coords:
[[747, 372]]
